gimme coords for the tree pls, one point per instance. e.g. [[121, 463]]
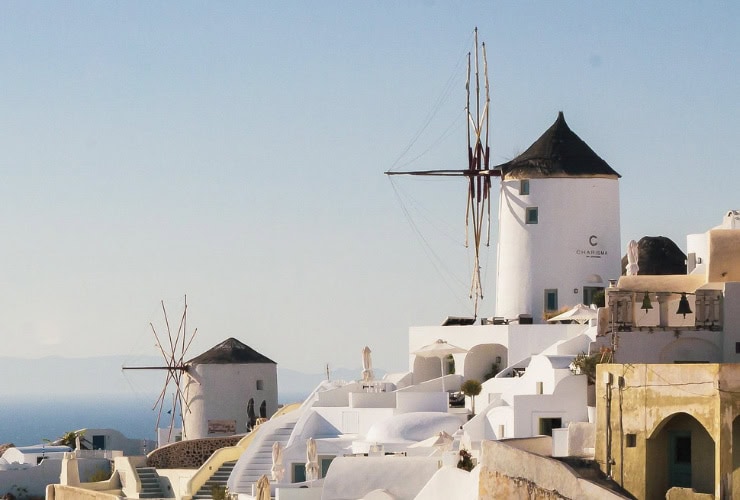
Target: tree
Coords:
[[585, 364], [471, 388], [70, 439]]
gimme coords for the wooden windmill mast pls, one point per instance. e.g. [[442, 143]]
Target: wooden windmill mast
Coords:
[[478, 172]]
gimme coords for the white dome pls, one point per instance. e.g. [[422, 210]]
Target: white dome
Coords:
[[415, 426]]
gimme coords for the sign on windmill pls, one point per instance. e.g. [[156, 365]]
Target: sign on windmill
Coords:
[[478, 173], [173, 350]]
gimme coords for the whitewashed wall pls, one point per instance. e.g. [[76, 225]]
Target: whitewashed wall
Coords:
[[577, 238], [222, 391]]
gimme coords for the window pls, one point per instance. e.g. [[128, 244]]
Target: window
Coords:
[[548, 424], [593, 295], [531, 215], [631, 440], [260, 385], [524, 187], [325, 463], [551, 300], [299, 472], [737, 347]]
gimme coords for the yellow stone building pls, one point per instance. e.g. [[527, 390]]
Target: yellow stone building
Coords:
[[669, 425]]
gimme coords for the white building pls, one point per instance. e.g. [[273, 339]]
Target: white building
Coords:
[[234, 369], [644, 325], [559, 239]]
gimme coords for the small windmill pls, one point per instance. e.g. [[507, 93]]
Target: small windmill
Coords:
[[173, 354]]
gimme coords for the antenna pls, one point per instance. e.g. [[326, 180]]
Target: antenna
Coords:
[[479, 172], [173, 354]]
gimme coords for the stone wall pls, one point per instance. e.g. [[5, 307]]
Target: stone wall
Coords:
[[507, 472], [188, 454]]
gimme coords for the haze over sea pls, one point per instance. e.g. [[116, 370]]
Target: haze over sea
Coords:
[[34, 408]]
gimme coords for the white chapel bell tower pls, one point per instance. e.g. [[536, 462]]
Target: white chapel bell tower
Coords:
[[559, 237]]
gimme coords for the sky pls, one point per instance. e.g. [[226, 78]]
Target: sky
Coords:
[[234, 152]]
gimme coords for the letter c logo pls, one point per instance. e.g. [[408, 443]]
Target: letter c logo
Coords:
[[592, 240]]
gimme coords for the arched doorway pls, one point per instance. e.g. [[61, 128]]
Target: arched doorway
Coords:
[[680, 453], [263, 409], [251, 416]]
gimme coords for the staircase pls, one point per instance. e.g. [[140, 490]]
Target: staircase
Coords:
[[149, 480], [261, 462], [218, 479], [254, 463]]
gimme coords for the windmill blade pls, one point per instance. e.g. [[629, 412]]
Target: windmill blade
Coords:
[[167, 323], [159, 342], [182, 357], [180, 328]]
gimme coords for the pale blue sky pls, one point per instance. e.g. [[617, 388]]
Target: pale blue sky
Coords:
[[234, 151]]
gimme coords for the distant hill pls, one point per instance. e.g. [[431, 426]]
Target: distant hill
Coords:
[[61, 376]]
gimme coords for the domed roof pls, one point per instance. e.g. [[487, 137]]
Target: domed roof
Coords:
[[230, 351], [658, 255], [413, 426], [559, 152]]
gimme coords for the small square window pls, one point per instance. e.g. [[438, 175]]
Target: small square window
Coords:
[[531, 215], [631, 440], [260, 385], [524, 187]]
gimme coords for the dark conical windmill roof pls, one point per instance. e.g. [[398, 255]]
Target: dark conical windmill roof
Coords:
[[559, 152], [230, 351]]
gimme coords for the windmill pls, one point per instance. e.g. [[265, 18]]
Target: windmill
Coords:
[[173, 354], [478, 173]]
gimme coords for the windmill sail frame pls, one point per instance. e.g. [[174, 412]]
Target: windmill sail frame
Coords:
[[478, 173], [173, 354]]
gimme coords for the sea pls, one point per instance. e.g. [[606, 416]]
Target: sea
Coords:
[[26, 420]]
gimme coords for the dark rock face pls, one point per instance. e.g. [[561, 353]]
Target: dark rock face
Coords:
[[658, 255]]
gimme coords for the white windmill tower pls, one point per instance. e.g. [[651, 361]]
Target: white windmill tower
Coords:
[[559, 238], [558, 234], [228, 387]]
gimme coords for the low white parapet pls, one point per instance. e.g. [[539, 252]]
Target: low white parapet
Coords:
[[407, 401]]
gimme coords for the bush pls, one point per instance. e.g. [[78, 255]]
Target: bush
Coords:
[[466, 461]]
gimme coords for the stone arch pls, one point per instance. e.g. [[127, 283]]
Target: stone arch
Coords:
[[679, 452], [690, 349], [480, 359]]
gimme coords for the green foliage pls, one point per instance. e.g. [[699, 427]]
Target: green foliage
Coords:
[[494, 370], [466, 461], [218, 492], [100, 474], [69, 438], [584, 364], [599, 298], [450, 364], [471, 388]]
